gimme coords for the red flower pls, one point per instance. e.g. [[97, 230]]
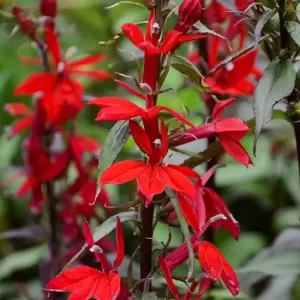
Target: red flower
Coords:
[[60, 88], [188, 14], [229, 131], [116, 108], [232, 78], [19, 110], [48, 8], [84, 282], [153, 175], [216, 267]]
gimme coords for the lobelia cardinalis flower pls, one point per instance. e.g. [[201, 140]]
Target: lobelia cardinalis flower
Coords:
[[228, 130], [216, 267], [85, 282], [205, 206], [153, 49], [153, 175], [232, 78], [60, 88], [188, 14]]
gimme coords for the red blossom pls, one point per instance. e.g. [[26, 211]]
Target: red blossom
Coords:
[[229, 131], [216, 266], [60, 88], [153, 175], [48, 8]]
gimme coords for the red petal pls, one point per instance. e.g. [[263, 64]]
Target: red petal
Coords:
[[87, 283], [17, 109], [191, 37], [119, 113], [164, 139], [170, 41], [185, 170], [53, 45], [178, 182], [235, 149], [231, 128], [31, 60], [35, 83], [149, 24], [209, 260], [213, 51], [229, 277], [122, 172], [220, 107], [26, 186], [133, 33], [130, 89], [112, 101], [188, 211], [167, 274], [89, 60], [243, 66], [153, 112], [94, 74], [88, 234], [140, 137], [19, 126], [120, 245], [151, 182]]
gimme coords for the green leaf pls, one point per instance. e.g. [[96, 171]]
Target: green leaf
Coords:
[[293, 29], [116, 140], [277, 82], [101, 231], [188, 71], [262, 21], [21, 260], [185, 231]]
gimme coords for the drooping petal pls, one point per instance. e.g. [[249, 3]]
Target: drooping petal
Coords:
[[117, 113], [178, 182], [53, 45], [99, 75], [88, 60], [151, 182], [234, 129], [214, 205], [130, 89], [133, 33], [188, 211], [156, 109], [88, 234], [229, 278], [120, 244], [220, 107], [112, 101], [121, 172], [168, 276], [185, 170], [140, 137], [17, 109], [36, 83], [235, 149], [19, 126], [209, 260], [170, 41]]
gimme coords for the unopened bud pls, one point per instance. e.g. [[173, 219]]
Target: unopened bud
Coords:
[[96, 249], [157, 143], [188, 14], [26, 24], [48, 8], [146, 88], [155, 28]]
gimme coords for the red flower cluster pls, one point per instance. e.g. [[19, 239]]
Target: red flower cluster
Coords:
[[57, 96]]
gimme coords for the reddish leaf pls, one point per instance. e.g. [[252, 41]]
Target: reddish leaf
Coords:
[[167, 273]]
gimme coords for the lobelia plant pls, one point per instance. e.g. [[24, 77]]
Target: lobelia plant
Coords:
[[221, 66]]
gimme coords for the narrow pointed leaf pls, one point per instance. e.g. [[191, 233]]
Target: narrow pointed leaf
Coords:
[[185, 230], [277, 82]]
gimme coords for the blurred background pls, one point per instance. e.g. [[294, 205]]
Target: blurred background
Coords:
[[265, 198]]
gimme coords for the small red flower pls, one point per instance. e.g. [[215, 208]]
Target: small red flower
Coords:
[[84, 282], [216, 267], [60, 88], [229, 131], [153, 175]]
